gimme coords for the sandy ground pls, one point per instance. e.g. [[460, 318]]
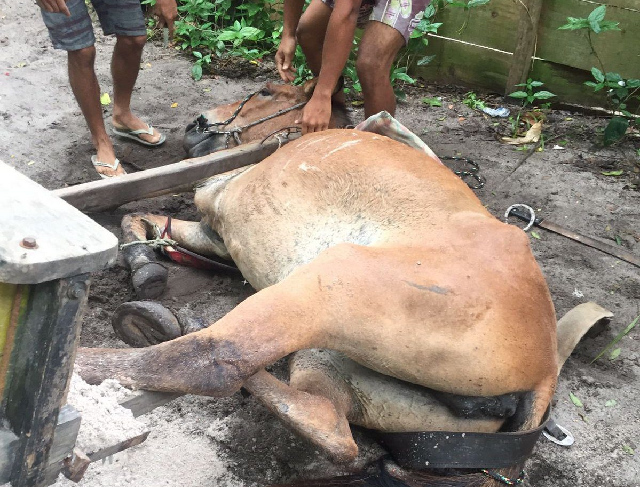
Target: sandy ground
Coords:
[[234, 441]]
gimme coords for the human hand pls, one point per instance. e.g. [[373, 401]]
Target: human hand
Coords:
[[284, 57], [54, 6], [316, 114], [166, 12]]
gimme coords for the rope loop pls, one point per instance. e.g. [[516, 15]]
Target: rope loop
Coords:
[[503, 479]]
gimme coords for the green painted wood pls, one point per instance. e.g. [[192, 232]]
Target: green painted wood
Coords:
[[491, 25], [466, 65], [619, 51], [627, 4]]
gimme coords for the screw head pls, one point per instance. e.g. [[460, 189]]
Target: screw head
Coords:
[[29, 243]]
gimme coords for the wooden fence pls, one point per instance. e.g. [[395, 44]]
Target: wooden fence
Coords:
[[494, 46]]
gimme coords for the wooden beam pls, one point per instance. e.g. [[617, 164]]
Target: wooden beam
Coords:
[[525, 43], [113, 192], [142, 402]]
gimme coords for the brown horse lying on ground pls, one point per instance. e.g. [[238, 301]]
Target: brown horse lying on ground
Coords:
[[407, 306]]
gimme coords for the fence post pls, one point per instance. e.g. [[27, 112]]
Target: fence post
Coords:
[[525, 43]]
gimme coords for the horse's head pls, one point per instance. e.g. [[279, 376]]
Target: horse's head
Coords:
[[254, 117]]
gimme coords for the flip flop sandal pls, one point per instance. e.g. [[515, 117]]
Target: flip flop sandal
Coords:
[[135, 135], [114, 166]]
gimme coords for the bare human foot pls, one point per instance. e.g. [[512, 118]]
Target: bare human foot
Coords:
[[105, 153], [129, 121]]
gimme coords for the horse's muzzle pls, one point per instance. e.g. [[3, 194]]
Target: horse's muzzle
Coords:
[[198, 142]]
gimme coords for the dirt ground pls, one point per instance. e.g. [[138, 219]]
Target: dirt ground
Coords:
[[234, 441]]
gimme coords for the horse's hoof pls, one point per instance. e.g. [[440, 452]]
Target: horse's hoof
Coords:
[[144, 323], [189, 322], [149, 280]]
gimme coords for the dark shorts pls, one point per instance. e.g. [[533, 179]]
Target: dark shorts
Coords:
[[121, 17], [402, 15]]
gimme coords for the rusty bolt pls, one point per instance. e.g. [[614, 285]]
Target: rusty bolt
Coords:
[[29, 243]]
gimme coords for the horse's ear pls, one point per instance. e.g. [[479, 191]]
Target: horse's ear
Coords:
[[308, 87]]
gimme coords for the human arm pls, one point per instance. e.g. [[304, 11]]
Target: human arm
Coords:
[[167, 13], [292, 10], [54, 6], [336, 49]]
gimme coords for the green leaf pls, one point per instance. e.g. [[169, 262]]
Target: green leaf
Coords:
[[536, 83], [613, 77], [197, 72], [612, 173], [197, 54], [618, 240], [433, 102], [595, 17], [633, 83], [617, 339], [615, 353], [576, 401], [535, 235], [575, 24], [598, 75], [105, 99], [477, 3], [627, 449], [425, 60], [615, 130], [543, 95], [610, 403], [405, 77], [518, 94]]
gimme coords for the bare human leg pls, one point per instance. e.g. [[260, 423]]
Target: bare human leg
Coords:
[[84, 84], [125, 65], [376, 53]]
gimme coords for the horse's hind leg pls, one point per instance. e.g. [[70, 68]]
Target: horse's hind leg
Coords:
[[315, 417], [148, 277]]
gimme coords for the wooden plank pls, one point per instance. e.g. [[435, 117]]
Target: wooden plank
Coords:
[[64, 442], [464, 64], [619, 51], [110, 193], [40, 368], [68, 242], [567, 84], [627, 4], [526, 41], [490, 25], [143, 402], [8, 446], [117, 448]]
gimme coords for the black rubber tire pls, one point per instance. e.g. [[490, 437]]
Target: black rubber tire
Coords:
[[149, 280], [144, 323]]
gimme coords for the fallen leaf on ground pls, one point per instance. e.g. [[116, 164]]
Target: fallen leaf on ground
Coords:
[[206, 90], [615, 353], [612, 173], [535, 235], [532, 135], [20, 65], [31, 163], [357, 103], [461, 119], [576, 401], [610, 403], [627, 449], [174, 105], [105, 99]]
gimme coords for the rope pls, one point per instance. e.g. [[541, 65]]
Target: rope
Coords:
[[474, 172], [503, 479], [155, 243], [529, 209]]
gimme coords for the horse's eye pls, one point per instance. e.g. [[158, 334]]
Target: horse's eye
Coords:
[[265, 92]]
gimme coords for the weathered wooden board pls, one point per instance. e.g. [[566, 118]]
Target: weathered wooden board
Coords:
[[467, 65], [143, 402], [64, 441], [8, 446], [528, 24], [619, 51], [68, 242], [110, 193], [39, 371], [492, 25]]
